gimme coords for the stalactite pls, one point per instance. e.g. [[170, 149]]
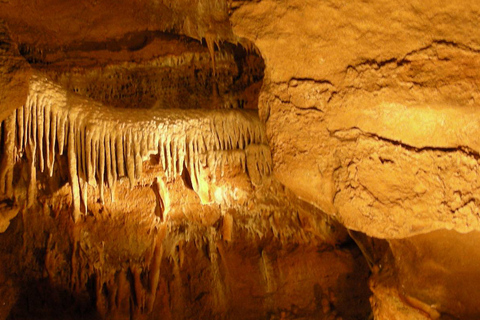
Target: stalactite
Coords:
[[102, 155], [104, 144], [72, 165]]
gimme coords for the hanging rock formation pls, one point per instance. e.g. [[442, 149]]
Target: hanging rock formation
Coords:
[[381, 106], [105, 144], [365, 110], [136, 182]]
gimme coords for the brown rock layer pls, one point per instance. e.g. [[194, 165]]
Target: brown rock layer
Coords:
[[371, 113], [370, 110], [375, 115]]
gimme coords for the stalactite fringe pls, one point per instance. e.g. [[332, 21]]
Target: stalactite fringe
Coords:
[[104, 144]]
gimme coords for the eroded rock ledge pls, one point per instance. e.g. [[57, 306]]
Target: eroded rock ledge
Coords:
[[392, 126], [370, 112], [380, 109], [195, 225]]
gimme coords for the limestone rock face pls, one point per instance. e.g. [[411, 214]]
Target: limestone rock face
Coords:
[[377, 100], [14, 74], [371, 111], [133, 185], [88, 25]]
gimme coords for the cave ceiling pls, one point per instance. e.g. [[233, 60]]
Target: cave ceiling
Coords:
[[239, 159]]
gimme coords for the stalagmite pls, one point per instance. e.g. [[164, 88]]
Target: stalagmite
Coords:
[[101, 303], [218, 282]]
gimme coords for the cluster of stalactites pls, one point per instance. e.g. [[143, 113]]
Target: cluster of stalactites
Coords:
[[104, 144]]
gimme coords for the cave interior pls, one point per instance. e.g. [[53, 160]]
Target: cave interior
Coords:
[[223, 159]]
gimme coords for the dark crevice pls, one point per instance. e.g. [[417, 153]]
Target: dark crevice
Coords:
[[160, 205], [186, 177], [464, 149], [132, 41], [162, 71]]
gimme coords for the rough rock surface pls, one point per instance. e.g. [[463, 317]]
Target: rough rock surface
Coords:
[[14, 76], [370, 110], [127, 194], [379, 101], [238, 258], [441, 269]]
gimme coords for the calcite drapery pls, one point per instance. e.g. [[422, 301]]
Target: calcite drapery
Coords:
[[104, 144]]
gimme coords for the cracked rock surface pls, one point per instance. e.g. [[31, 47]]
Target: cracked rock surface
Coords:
[[367, 119], [376, 115], [378, 103], [135, 185]]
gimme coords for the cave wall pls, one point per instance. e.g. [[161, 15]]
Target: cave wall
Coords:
[[370, 112], [376, 100], [135, 185]]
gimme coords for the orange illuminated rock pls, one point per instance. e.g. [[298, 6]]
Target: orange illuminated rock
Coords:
[[14, 74], [371, 108]]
